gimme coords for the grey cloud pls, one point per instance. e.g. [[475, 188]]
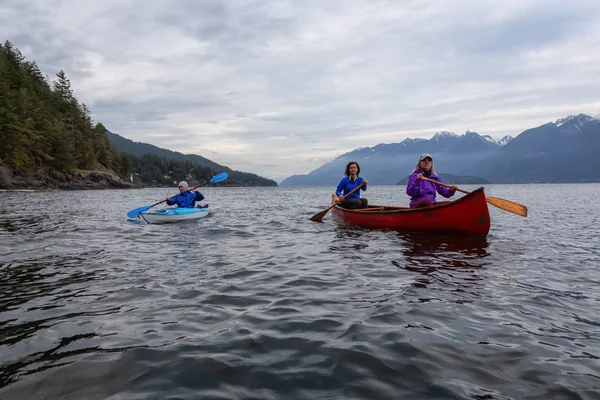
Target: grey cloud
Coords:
[[531, 30], [53, 48], [231, 33], [157, 108], [313, 79]]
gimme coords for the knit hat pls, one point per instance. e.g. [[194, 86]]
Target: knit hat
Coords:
[[184, 184]]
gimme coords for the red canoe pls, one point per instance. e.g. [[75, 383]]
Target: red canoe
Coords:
[[467, 215]]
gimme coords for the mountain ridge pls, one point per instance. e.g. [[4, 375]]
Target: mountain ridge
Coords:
[[453, 179], [140, 148], [541, 154]]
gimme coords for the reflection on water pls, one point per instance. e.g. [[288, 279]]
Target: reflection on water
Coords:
[[348, 238], [427, 253], [447, 263]]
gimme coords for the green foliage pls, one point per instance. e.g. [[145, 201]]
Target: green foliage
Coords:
[[156, 170], [42, 125], [139, 149]]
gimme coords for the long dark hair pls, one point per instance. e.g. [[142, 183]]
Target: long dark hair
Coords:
[[348, 168]]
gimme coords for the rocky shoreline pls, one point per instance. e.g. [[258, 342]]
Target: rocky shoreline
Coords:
[[54, 180]]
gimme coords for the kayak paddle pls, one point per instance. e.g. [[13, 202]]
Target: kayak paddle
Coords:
[[136, 213], [319, 216], [503, 204]]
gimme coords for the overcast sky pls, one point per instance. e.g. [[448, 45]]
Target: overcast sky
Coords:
[[280, 87]]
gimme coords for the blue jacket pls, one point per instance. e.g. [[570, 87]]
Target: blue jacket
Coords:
[[418, 189], [186, 199], [346, 186]]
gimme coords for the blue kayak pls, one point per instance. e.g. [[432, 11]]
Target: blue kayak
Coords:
[[175, 214]]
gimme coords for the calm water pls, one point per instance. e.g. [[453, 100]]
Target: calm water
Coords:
[[258, 302]]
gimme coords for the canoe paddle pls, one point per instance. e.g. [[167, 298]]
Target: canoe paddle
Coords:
[[503, 204], [136, 213], [319, 216]]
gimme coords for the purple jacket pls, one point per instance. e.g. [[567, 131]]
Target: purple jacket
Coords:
[[417, 189]]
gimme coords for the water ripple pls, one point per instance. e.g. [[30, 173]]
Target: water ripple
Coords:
[[267, 304]]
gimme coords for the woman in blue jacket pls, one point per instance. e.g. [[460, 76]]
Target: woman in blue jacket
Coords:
[[185, 199], [347, 184], [422, 192]]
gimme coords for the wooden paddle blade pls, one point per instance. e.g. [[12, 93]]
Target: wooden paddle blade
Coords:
[[508, 205], [319, 216], [503, 204]]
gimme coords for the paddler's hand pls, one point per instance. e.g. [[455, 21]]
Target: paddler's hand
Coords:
[[420, 176], [168, 198], [341, 198], [364, 183], [453, 188]]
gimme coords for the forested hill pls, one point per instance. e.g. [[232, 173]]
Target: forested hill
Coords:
[[48, 139], [46, 135], [139, 149]]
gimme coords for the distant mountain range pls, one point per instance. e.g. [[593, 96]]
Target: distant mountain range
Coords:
[[139, 149], [561, 151], [455, 179]]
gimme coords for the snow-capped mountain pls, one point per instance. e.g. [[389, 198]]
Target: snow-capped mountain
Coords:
[[505, 140], [443, 135], [489, 138], [501, 142], [572, 124], [548, 153], [577, 119], [387, 160]]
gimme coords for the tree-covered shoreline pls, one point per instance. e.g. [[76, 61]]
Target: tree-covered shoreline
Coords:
[[48, 139]]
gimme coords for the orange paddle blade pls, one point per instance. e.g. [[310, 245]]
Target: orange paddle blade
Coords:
[[507, 205]]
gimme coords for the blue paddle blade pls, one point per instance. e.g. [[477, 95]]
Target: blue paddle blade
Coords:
[[218, 178], [136, 213]]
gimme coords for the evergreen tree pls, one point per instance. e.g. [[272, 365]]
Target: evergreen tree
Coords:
[[43, 127]]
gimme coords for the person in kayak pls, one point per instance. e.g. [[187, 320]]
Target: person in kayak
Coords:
[[347, 184], [422, 192], [187, 197]]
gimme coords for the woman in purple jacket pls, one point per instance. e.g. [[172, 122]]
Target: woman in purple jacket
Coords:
[[422, 192]]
